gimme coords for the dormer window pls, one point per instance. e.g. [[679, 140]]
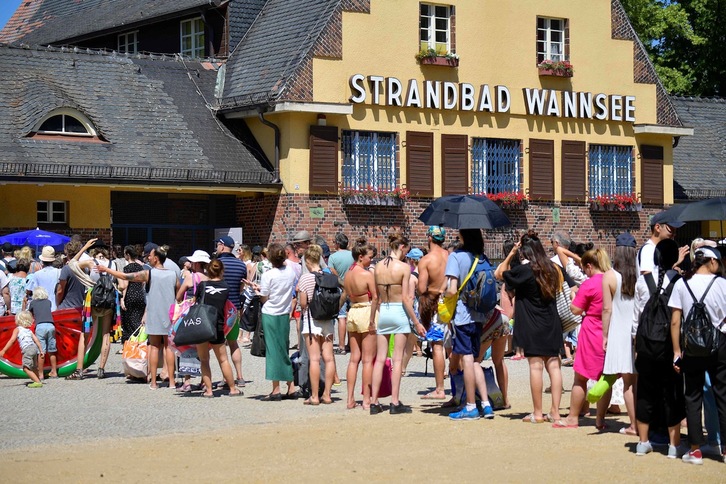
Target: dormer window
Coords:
[[65, 122]]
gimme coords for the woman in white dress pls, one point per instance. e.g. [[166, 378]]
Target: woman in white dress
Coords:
[[617, 321]]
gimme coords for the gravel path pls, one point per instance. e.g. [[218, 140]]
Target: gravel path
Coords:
[[73, 411]]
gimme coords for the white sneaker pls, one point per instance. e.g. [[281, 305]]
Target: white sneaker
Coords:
[[693, 457], [643, 448], [675, 452]]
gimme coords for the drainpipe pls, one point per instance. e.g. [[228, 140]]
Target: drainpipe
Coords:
[[277, 144]]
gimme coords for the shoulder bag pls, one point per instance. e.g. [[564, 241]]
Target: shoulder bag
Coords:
[[199, 325]]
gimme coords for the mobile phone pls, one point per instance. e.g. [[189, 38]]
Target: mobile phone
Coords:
[[677, 362]]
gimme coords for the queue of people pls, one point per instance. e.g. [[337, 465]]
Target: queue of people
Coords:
[[387, 307]]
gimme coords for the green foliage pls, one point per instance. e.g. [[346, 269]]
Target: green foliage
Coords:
[[684, 39]]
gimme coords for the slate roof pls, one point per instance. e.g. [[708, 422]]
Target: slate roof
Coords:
[[52, 21], [274, 48], [153, 113], [241, 14], [699, 161]]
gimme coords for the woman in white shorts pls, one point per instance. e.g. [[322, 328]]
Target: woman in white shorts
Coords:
[[318, 335]]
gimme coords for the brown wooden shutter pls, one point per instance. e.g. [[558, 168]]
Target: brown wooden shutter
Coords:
[[651, 174], [541, 169], [573, 171], [324, 159], [420, 163], [455, 163]]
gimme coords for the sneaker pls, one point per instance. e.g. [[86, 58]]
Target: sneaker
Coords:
[[376, 408], [693, 457], [675, 452], [645, 448], [399, 408], [487, 412], [465, 414], [35, 385]]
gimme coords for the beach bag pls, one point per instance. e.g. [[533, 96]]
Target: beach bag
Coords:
[[103, 294], [189, 363], [447, 303], [700, 337], [386, 384], [564, 299], [134, 355], [480, 290], [198, 326], [251, 312], [325, 303], [496, 399], [258, 342], [301, 372], [653, 337]]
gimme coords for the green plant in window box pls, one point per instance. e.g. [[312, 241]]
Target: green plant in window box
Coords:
[[370, 195], [437, 57], [616, 203], [555, 68]]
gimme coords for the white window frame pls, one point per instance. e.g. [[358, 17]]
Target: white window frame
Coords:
[[128, 42], [427, 36], [551, 47], [197, 38], [51, 213], [605, 177], [64, 112], [368, 163]]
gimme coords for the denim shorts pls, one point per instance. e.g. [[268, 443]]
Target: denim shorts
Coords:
[[46, 335], [466, 339], [343, 313]]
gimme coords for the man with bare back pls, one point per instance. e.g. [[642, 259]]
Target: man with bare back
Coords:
[[431, 284]]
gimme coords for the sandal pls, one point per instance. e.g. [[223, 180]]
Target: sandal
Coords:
[[101, 374], [76, 375], [532, 419], [340, 351]]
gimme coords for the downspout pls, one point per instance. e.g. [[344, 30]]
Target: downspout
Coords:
[[277, 144]]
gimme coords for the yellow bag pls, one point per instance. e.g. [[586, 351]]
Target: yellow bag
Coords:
[[447, 303]]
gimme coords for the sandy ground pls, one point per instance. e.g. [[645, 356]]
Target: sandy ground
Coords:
[[108, 431]]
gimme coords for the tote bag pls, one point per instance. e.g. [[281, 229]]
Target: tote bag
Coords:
[[198, 326], [569, 320]]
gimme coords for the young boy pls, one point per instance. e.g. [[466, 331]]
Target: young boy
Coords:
[[29, 345], [40, 308]]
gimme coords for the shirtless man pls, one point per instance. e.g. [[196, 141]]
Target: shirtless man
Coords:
[[431, 283]]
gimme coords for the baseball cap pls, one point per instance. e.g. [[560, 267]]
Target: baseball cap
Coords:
[[7, 247], [437, 233], [709, 253], [149, 247], [625, 239], [257, 249], [663, 218], [226, 240], [415, 254]]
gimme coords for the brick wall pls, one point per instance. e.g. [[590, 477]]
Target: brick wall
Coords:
[[277, 218]]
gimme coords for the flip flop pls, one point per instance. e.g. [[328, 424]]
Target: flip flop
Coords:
[[532, 419], [431, 396], [627, 431], [204, 395], [238, 394], [326, 402], [310, 402], [354, 406], [561, 424], [549, 418]]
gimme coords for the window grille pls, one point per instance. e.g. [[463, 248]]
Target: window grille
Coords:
[[495, 165], [610, 170], [369, 160]]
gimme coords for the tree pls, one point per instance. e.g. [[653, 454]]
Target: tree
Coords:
[[685, 41]]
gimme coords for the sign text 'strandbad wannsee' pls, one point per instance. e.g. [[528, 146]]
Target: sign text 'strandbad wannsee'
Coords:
[[466, 97]]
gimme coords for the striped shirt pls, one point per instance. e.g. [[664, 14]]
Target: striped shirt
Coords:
[[234, 272]]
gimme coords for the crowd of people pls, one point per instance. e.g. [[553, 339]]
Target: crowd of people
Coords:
[[390, 306]]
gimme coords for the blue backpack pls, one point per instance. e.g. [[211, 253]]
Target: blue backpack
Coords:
[[480, 292]]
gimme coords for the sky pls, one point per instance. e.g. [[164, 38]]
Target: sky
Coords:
[[7, 8]]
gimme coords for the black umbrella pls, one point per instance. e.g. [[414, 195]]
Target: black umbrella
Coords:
[[709, 209], [465, 212]]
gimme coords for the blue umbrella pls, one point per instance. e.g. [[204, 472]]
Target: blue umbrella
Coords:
[[35, 238], [465, 212]]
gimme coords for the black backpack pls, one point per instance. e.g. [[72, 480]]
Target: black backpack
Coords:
[[325, 303], [653, 338], [700, 337], [103, 294]]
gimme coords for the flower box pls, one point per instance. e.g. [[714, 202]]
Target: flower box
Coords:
[[368, 200], [509, 200], [439, 61], [613, 207], [553, 73]]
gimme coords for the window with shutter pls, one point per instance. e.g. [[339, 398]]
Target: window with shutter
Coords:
[[495, 165], [370, 160], [573, 171], [324, 159], [651, 174], [420, 163], [541, 169], [611, 170], [455, 163]]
